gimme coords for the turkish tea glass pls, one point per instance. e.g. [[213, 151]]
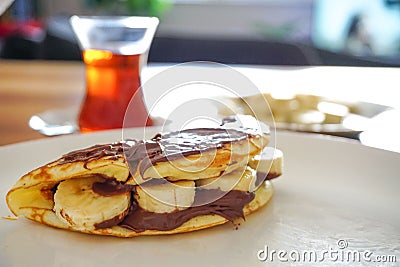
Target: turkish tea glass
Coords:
[[114, 50]]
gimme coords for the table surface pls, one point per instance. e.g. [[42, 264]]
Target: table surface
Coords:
[[31, 87]]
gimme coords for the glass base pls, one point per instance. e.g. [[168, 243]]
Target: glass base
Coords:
[[65, 121], [56, 122]]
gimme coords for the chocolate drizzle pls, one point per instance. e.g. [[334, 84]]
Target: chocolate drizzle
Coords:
[[230, 206], [175, 145], [162, 147], [114, 151]]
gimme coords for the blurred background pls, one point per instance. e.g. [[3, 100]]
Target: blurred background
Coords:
[[266, 32]]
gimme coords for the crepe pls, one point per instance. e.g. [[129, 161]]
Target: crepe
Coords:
[[106, 190]]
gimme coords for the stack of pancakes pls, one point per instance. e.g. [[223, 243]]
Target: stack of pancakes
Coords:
[[175, 182]]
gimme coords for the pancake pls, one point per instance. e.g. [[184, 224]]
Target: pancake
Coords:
[[147, 187]]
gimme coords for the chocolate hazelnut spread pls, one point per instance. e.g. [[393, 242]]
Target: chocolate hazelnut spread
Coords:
[[111, 187], [109, 223], [114, 151], [230, 206], [162, 147], [175, 145]]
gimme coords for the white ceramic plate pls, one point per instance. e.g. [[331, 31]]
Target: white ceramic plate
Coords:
[[331, 191]]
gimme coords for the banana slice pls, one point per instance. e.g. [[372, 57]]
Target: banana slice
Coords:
[[166, 197], [269, 161], [243, 180], [76, 204]]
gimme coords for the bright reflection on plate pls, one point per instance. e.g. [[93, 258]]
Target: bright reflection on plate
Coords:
[[383, 131], [333, 108], [356, 122]]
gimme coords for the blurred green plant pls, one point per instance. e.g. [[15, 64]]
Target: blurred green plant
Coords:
[[276, 32], [130, 7]]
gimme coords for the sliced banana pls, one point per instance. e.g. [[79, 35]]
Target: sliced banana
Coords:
[[166, 197], [242, 180], [270, 160], [76, 204]]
